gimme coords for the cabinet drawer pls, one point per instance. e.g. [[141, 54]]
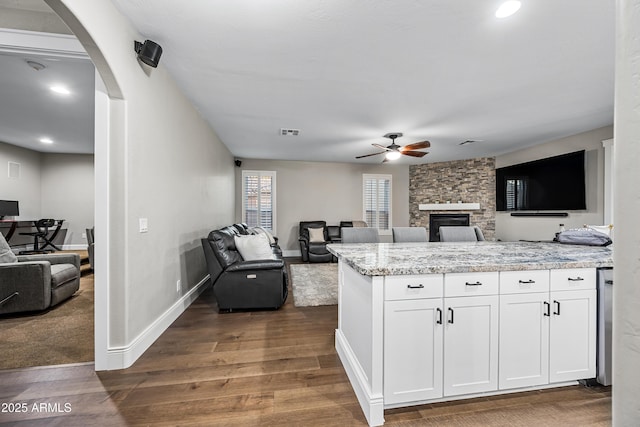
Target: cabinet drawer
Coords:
[[516, 282], [568, 279], [467, 284], [413, 287]]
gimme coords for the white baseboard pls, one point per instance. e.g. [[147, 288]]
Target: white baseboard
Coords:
[[74, 247], [124, 356], [292, 253]]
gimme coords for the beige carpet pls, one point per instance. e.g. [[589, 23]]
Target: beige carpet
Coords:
[[60, 335], [314, 284]]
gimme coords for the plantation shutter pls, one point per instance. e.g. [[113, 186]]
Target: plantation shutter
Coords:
[[258, 199], [377, 202]]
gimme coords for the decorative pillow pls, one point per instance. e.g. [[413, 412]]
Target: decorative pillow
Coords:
[[6, 254], [316, 235], [261, 230], [253, 247]]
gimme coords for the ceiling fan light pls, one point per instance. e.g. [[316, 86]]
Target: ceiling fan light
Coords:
[[508, 8], [393, 155]]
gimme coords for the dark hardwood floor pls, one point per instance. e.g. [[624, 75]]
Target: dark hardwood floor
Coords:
[[263, 368]]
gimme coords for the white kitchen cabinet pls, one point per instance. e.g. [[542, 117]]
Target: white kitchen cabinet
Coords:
[[572, 348], [413, 350], [470, 344], [524, 340], [547, 337]]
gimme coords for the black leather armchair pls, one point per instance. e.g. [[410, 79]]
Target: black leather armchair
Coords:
[[314, 251], [240, 284]]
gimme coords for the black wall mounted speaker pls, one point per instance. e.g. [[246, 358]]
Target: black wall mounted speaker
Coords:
[[148, 52]]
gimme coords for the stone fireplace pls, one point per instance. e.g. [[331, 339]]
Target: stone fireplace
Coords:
[[448, 219], [442, 186]]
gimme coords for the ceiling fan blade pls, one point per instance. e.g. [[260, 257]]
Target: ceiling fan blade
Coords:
[[415, 153], [382, 147], [372, 154], [416, 146], [385, 160]]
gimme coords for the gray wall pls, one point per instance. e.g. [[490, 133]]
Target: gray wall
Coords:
[[323, 191], [26, 189], [165, 163], [510, 228], [67, 193], [56, 186]]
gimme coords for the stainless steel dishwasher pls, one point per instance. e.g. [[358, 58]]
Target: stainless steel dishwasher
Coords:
[[605, 304]]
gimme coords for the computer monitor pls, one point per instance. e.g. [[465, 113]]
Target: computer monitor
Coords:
[[9, 208]]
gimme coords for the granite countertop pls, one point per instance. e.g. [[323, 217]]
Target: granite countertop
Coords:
[[384, 259]]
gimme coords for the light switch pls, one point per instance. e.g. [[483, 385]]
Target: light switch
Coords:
[[144, 226]]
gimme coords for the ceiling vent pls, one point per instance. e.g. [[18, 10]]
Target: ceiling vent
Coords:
[[289, 132]]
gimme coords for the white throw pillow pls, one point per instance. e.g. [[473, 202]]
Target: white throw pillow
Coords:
[[316, 235], [261, 230], [6, 254], [253, 247]]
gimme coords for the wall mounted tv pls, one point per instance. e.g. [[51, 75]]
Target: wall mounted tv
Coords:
[[554, 183]]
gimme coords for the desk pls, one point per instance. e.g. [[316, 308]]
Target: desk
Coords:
[[14, 224]]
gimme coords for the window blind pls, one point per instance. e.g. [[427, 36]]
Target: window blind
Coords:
[[377, 201], [258, 199]]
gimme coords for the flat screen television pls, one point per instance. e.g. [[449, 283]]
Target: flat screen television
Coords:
[[554, 183], [9, 208]]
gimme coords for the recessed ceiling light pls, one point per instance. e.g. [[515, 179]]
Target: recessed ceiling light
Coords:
[[508, 8], [60, 89], [46, 140]]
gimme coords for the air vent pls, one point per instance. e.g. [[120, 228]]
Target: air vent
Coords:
[[289, 132], [14, 170]]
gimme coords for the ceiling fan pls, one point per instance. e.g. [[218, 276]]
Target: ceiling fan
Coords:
[[394, 151]]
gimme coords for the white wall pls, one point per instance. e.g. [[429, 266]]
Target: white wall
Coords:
[[510, 228], [332, 192], [626, 298], [67, 193], [166, 164]]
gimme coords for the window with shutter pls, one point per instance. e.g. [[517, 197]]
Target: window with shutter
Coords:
[[376, 190], [259, 199]]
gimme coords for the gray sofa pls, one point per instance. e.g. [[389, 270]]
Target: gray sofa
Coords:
[[36, 282]]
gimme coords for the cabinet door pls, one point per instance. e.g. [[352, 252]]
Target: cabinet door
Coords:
[[572, 344], [470, 345], [524, 340], [412, 350]]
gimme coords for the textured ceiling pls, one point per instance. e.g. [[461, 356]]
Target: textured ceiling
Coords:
[[347, 72]]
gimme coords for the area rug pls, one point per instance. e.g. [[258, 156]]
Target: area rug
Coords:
[[63, 334], [314, 284]]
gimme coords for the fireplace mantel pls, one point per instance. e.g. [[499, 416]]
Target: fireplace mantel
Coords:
[[449, 206]]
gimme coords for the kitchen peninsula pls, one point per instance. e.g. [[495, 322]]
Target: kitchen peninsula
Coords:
[[430, 322]]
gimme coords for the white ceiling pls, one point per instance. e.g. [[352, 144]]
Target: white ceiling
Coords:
[[29, 110], [347, 72]]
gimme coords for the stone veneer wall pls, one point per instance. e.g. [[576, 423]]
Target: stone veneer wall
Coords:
[[469, 181]]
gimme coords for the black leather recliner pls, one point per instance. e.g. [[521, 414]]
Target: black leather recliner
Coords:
[[314, 251], [239, 284]]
